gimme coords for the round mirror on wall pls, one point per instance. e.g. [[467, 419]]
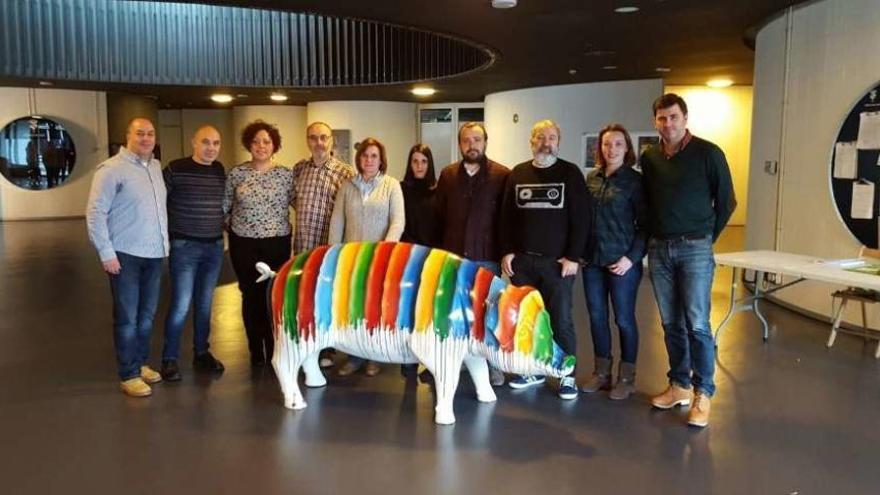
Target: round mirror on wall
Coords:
[[855, 169], [36, 153]]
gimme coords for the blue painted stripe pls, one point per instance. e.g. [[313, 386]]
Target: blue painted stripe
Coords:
[[409, 287], [324, 289], [462, 314], [491, 320]]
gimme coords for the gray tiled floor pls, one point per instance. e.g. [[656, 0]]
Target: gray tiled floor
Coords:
[[790, 416]]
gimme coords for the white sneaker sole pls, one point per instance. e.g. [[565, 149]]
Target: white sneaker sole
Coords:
[[520, 386], [698, 425]]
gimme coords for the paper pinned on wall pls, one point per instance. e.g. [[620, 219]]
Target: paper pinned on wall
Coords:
[[846, 161], [862, 200], [869, 131]]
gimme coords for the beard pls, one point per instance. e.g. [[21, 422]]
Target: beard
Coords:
[[545, 156], [474, 156]]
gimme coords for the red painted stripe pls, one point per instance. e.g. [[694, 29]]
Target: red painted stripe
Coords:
[[391, 288], [305, 310], [278, 294], [478, 298], [508, 313], [375, 284]]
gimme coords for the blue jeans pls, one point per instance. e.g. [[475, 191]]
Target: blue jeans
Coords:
[[599, 285], [681, 273], [195, 268], [135, 292]]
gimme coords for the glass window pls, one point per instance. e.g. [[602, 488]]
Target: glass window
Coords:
[[434, 115], [470, 115], [36, 153]]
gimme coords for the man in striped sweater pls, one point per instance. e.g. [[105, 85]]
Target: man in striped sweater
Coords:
[[195, 187]]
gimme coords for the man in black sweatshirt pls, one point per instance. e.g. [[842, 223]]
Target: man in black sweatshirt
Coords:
[[543, 232], [690, 198]]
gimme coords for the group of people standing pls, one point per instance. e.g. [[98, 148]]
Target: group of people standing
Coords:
[[538, 223]]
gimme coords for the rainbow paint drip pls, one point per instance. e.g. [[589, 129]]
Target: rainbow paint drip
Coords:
[[405, 303]]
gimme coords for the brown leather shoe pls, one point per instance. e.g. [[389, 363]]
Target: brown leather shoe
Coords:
[[372, 368], [699, 414], [348, 368], [671, 397]]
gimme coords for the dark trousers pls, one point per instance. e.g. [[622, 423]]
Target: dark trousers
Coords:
[[245, 252], [545, 274]]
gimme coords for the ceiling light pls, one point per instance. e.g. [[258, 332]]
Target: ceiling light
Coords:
[[278, 97], [719, 83], [221, 98], [609, 67], [423, 91], [45, 83], [663, 69], [503, 4], [572, 71], [629, 9]]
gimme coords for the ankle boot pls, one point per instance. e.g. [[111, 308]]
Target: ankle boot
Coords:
[[601, 379], [626, 381]]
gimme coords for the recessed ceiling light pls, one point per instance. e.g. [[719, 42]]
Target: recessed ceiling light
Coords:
[[45, 83], [423, 91], [221, 98], [572, 71], [278, 97], [719, 83], [663, 69], [503, 4], [628, 9], [609, 67]]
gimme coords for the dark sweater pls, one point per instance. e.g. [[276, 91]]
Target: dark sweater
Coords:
[[690, 194], [421, 215], [618, 213], [545, 211], [195, 199], [468, 208]]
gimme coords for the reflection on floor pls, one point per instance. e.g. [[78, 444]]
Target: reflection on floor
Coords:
[[789, 417]]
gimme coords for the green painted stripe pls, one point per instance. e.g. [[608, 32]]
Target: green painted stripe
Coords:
[[444, 296], [291, 295], [542, 341], [358, 287]]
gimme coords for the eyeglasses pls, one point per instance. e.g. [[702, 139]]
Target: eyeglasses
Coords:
[[320, 137]]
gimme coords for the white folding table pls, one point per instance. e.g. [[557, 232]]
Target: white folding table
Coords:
[[800, 266]]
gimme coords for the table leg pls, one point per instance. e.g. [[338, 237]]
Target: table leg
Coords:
[[731, 309], [758, 277]]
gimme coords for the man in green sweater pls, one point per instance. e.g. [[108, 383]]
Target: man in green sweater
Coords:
[[690, 198]]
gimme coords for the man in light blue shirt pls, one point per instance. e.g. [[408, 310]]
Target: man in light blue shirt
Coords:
[[128, 225]]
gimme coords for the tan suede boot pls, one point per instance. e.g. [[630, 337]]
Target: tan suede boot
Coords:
[[601, 379], [626, 382]]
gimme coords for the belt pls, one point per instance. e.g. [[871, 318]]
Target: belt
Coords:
[[680, 238]]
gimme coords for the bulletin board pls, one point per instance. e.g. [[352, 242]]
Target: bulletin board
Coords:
[[855, 169]]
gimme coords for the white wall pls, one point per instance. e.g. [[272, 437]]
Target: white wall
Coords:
[[392, 123], [84, 115], [832, 61], [291, 123], [577, 108]]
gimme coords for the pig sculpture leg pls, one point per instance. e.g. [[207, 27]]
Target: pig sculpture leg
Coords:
[[287, 361], [479, 370], [443, 358], [314, 376]]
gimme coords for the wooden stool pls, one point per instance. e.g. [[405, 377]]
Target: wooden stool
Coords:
[[863, 296]]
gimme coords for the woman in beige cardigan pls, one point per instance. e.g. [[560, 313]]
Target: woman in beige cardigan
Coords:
[[369, 207]]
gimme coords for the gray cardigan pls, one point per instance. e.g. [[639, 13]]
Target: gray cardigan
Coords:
[[373, 215]]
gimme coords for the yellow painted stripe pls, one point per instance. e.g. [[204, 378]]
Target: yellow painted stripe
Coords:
[[529, 308], [428, 288], [341, 285]]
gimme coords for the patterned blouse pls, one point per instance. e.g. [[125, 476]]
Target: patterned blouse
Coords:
[[257, 203]]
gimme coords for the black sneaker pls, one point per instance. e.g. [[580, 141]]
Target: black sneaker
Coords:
[[207, 362], [170, 372]]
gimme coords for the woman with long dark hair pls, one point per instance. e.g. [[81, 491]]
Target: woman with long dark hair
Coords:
[[418, 197], [614, 252]]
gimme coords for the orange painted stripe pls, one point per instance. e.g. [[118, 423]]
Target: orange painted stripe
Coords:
[[478, 299], [376, 283], [508, 314], [391, 286]]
